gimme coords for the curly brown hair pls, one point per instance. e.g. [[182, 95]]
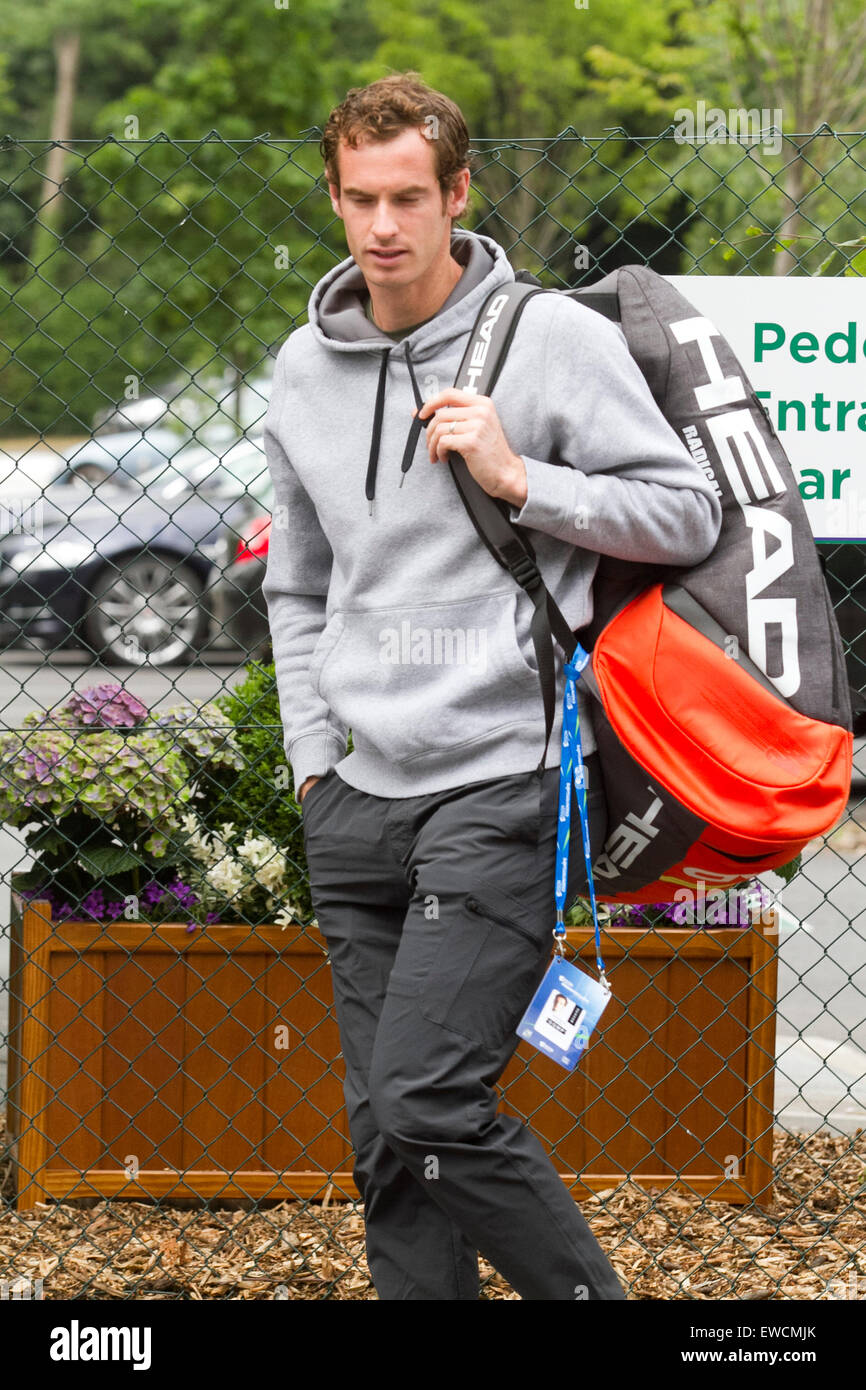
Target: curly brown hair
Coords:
[[384, 108]]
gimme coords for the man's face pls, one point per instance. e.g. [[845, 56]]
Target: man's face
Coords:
[[392, 207]]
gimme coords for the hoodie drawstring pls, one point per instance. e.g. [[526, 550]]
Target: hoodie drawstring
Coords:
[[414, 429], [417, 424], [373, 461]]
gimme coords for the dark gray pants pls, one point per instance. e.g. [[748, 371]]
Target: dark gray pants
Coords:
[[438, 912]]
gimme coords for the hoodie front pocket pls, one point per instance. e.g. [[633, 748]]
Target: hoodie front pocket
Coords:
[[413, 681]]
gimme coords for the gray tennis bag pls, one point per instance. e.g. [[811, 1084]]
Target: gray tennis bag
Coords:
[[721, 708]]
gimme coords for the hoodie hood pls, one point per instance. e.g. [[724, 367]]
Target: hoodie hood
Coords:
[[338, 322]]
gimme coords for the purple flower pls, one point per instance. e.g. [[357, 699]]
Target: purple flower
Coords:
[[107, 705]]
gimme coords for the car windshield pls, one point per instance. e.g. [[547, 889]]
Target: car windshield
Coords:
[[243, 468]]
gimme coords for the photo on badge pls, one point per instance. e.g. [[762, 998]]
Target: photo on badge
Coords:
[[563, 1012]]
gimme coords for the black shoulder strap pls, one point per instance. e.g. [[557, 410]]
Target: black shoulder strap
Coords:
[[510, 546], [599, 300]]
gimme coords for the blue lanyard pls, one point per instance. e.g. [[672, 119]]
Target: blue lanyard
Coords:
[[571, 768]]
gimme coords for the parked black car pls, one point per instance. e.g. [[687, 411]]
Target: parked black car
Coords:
[[126, 574]]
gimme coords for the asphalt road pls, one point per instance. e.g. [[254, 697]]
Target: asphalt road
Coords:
[[821, 1016]]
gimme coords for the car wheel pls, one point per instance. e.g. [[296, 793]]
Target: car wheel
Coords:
[[146, 610]]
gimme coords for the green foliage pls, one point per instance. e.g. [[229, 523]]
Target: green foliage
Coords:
[[846, 257], [253, 797], [162, 258], [526, 69], [261, 798], [849, 257], [169, 282]]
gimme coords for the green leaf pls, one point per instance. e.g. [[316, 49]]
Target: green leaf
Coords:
[[787, 871], [109, 859], [831, 263], [858, 265], [48, 838], [755, 231], [32, 878]]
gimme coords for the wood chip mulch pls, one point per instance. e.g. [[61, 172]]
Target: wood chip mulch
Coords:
[[809, 1244]]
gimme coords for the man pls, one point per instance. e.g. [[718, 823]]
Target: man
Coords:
[[431, 847]]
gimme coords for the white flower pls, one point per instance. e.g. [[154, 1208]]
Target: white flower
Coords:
[[257, 850], [287, 917], [227, 875], [197, 841], [238, 875], [273, 874]]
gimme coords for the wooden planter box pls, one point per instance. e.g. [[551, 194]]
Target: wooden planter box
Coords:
[[154, 1062]]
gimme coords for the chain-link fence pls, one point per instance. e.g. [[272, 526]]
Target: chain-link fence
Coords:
[[174, 1118]]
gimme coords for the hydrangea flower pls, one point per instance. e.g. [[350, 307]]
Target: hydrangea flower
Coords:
[[107, 705]]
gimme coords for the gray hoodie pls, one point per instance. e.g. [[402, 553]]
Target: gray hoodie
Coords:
[[388, 614]]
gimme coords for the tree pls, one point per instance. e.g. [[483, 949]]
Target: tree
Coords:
[[524, 70], [806, 58]]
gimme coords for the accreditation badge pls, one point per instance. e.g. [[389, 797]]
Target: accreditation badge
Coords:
[[563, 1012]]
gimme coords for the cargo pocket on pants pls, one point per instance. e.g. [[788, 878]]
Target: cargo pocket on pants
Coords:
[[485, 971]]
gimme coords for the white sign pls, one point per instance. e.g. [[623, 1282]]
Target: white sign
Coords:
[[802, 343]]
